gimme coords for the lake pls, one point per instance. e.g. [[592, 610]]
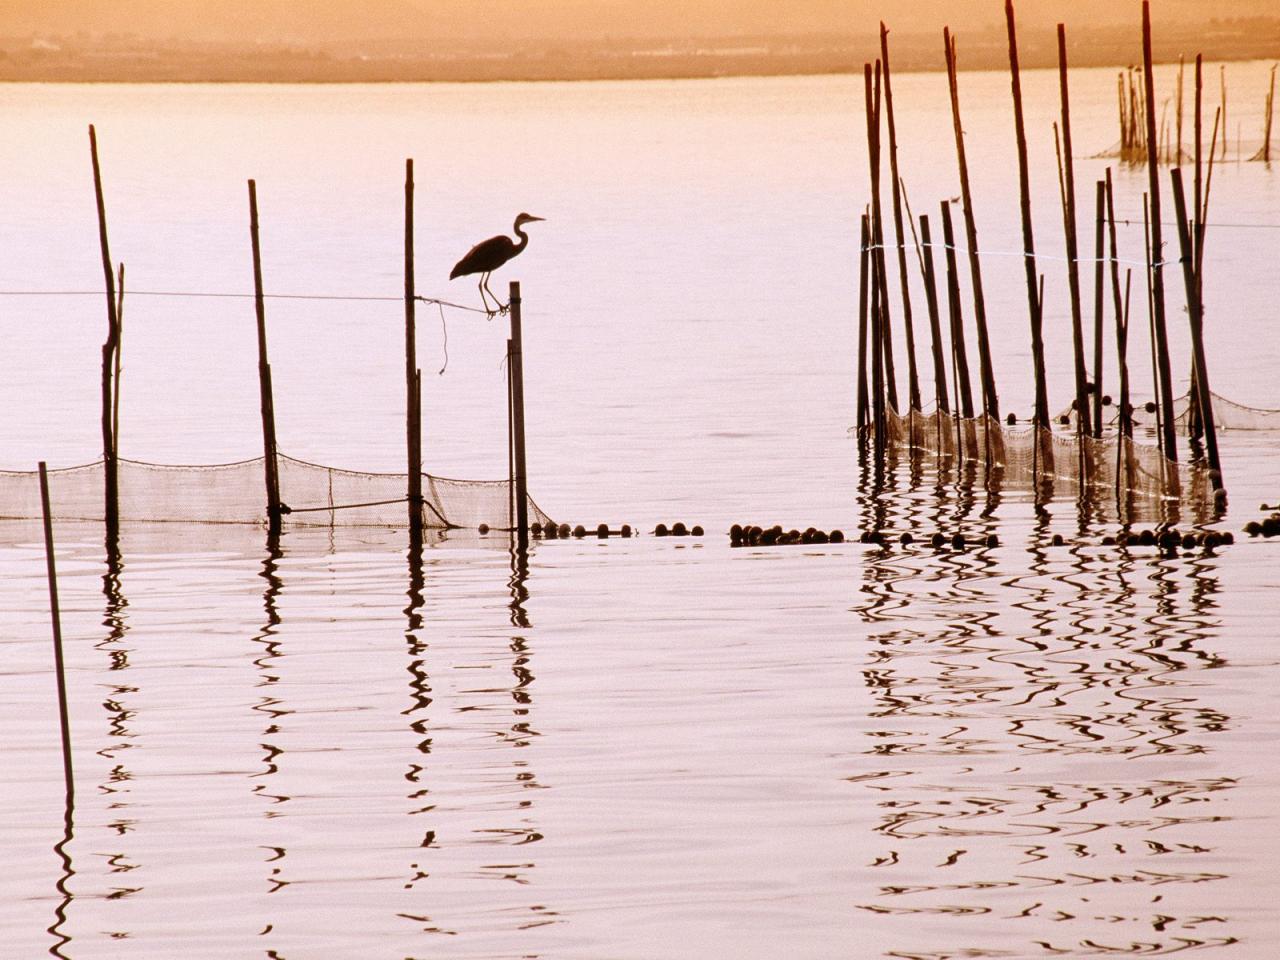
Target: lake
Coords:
[[328, 748]]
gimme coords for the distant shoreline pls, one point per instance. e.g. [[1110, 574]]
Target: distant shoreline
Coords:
[[134, 60]]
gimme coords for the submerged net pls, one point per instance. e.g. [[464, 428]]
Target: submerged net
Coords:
[[1227, 415], [1058, 464], [236, 493]]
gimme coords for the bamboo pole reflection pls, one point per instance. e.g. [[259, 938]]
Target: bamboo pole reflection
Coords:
[[272, 708], [119, 714]]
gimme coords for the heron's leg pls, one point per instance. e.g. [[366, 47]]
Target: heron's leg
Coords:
[[483, 298], [496, 299]]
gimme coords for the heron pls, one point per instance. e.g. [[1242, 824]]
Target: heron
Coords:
[[488, 255]]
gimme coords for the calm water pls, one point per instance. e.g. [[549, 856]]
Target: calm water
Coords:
[[633, 749]]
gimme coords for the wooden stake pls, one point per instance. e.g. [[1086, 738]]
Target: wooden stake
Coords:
[[885, 341], [960, 358], [59, 668], [990, 401], [863, 291], [413, 403], [913, 381], [1099, 282], [1177, 156], [517, 418], [511, 450], [1073, 267], [111, 491], [1121, 313], [1156, 259], [1222, 85], [1195, 310], [878, 417], [1151, 320], [115, 379], [266, 401], [1266, 128], [1028, 235]]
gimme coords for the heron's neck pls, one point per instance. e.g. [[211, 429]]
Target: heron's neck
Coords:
[[524, 237]]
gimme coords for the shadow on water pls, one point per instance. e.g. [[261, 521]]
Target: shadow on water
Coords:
[[1031, 754]]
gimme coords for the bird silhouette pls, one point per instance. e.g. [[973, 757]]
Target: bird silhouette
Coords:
[[488, 255]]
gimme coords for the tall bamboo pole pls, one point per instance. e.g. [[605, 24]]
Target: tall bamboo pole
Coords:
[[1121, 311], [1069, 223], [1156, 259], [913, 380], [863, 291], [955, 311], [517, 418], [1028, 234], [60, 673], [271, 468], [413, 398], [884, 343], [111, 488], [1195, 310], [115, 378], [990, 401], [1099, 284]]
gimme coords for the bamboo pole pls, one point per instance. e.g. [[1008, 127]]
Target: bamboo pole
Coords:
[[1156, 258], [413, 412], [1266, 128], [511, 447], [1121, 312], [115, 379], [60, 673], [1028, 234], [878, 418], [960, 358], [1195, 310], [1085, 421], [913, 379], [1099, 286], [1151, 321], [517, 417], [863, 291], [1222, 87], [941, 399], [1177, 156], [111, 487], [266, 400], [884, 342], [990, 401]]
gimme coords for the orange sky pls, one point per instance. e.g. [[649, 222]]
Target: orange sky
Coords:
[[574, 20]]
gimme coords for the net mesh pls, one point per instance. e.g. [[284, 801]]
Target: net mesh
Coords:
[[236, 493], [1227, 415], [1067, 464]]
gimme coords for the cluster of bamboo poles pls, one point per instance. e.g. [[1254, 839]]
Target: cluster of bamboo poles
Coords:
[[877, 389], [275, 507], [1171, 145]]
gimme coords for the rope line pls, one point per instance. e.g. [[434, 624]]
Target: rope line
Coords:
[[347, 506]]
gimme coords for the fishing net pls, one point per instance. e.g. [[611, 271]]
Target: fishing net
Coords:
[[1227, 415], [236, 493], [1060, 464]]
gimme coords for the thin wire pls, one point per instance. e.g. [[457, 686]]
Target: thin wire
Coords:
[[1023, 253], [242, 296], [445, 328]]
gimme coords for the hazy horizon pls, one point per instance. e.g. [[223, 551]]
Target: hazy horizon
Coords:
[[573, 21]]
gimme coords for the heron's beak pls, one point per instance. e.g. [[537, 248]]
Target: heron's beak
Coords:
[[531, 218]]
